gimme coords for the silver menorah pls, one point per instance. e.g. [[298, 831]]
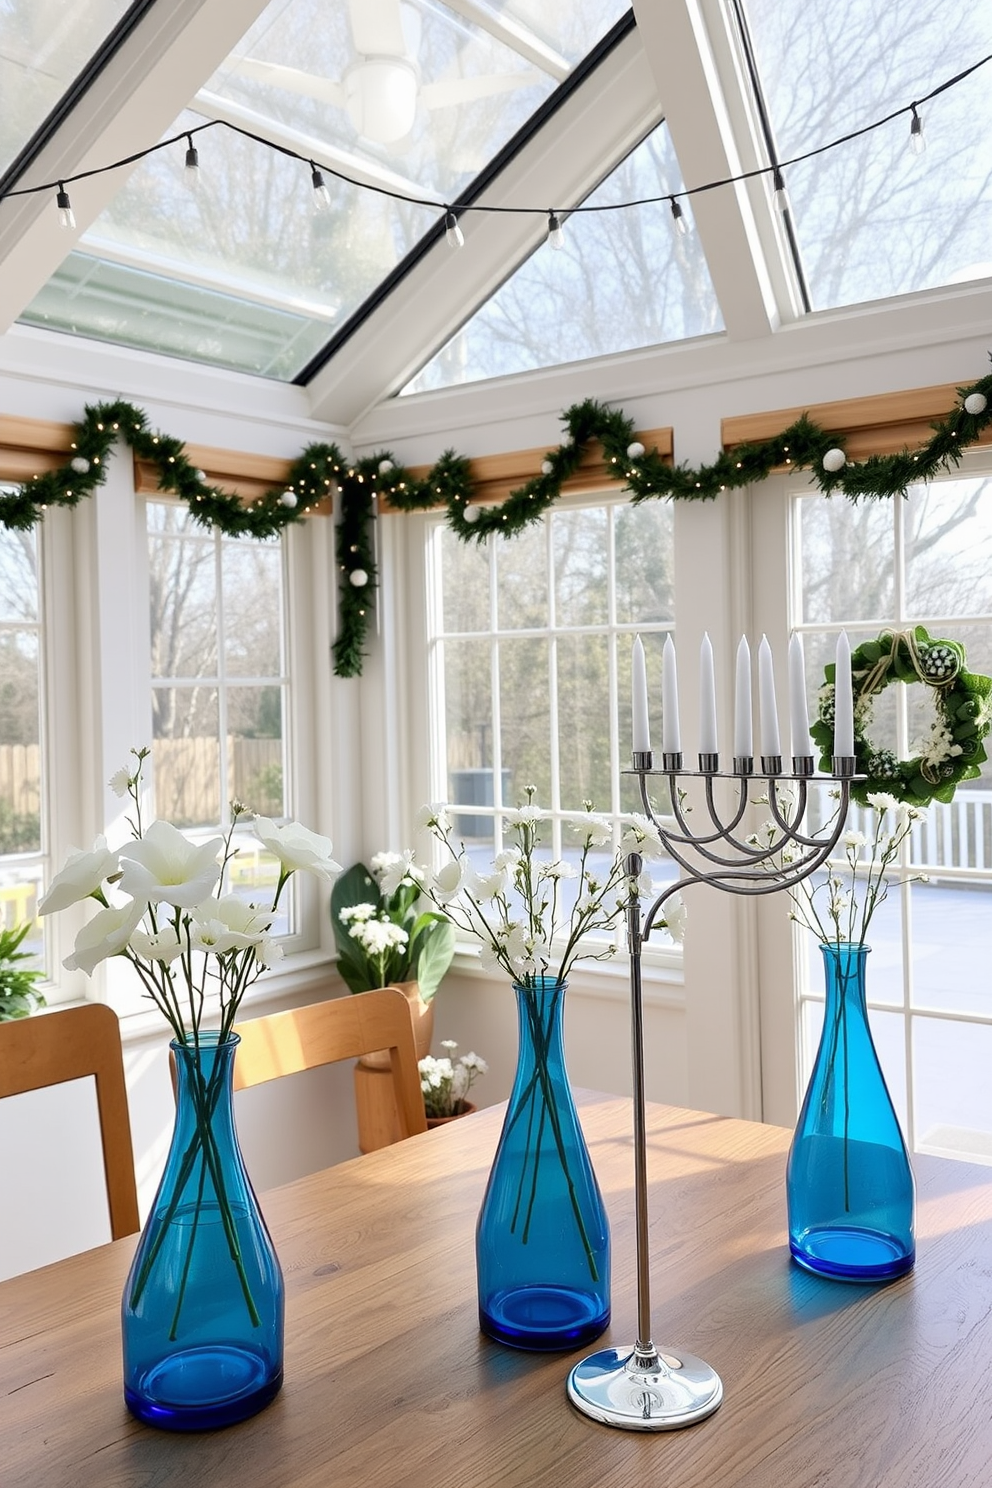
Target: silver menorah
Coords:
[[644, 1387]]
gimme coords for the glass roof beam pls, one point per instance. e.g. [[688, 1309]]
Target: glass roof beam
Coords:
[[594, 128], [716, 133], [513, 33], [174, 48]]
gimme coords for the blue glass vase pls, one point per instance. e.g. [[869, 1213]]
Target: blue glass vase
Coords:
[[851, 1195], [203, 1307], [543, 1239]]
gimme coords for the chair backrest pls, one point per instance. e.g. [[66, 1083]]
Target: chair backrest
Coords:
[[50, 1048], [324, 1032]]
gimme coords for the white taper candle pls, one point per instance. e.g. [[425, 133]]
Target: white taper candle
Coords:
[[743, 746], [771, 743], [639, 699], [802, 744], [707, 699], [671, 738], [843, 699]]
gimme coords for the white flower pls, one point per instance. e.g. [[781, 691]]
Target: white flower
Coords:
[[164, 865], [379, 936], [524, 816], [434, 816], [640, 835], [120, 781], [449, 1044], [268, 951], [449, 881], [394, 869], [107, 934], [356, 912], [854, 839], [510, 857], [528, 953], [165, 945], [556, 871], [82, 875], [595, 831], [676, 915], [485, 886], [297, 847], [227, 924], [882, 801], [475, 1062]]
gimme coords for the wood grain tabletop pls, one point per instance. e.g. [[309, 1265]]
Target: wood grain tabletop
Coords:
[[389, 1383]]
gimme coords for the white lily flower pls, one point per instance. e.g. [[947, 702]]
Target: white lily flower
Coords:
[[106, 934], [165, 945], [227, 924], [81, 876], [449, 881], [297, 848], [163, 866]]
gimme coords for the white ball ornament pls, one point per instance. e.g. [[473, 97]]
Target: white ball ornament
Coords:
[[289, 498], [358, 577], [546, 467], [635, 450], [834, 460], [80, 464], [472, 513], [201, 476], [975, 403], [385, 466]]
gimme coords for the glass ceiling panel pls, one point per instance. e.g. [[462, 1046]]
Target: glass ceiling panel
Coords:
[[412, 95], [44, 45], [622, 280], [874, 219]]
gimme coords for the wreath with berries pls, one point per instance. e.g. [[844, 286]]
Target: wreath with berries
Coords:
[[953, 749]]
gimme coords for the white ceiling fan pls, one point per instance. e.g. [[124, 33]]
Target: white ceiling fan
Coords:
[[380, 91]]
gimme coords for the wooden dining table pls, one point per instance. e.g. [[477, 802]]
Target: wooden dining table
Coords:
[[389, 1382]]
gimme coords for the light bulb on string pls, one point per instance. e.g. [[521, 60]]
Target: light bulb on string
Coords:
[[191, 169], [917, 139], [782, 202], [321, 195], [679, 218], [556, 236], [453, 234], [67, 217]]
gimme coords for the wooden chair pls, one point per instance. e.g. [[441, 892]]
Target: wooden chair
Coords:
[[324, 1032], [50, 1048]]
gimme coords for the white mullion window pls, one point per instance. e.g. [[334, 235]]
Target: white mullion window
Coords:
[[529, 648], [924, 561], [23, 727], [220, 687]]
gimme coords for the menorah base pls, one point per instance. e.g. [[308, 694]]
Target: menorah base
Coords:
[[644, 1390]]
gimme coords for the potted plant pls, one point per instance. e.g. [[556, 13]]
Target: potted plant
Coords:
[[446, 1083], [385, 939], [18, 994]]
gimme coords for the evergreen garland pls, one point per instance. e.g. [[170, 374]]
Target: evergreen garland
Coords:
[[321, 471]]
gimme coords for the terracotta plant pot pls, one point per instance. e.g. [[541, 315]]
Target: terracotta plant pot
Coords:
[[422, 1014], [465, 1108]]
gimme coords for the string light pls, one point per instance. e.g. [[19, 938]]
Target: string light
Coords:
[[917, 139], [191, 170], [679, 218], [321, 195], [67, 217], [556, 237], [453, 234], [781, 198]]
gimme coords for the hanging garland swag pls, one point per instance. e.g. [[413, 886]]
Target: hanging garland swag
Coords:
[[321, 471], [953, 750]]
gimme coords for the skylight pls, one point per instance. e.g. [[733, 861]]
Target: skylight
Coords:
[[44, 45], [873, 218], [621, 280], [411, 96]]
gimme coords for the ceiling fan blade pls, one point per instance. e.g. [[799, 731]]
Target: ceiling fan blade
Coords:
[[451, 91], [377, 28], [292, 80]]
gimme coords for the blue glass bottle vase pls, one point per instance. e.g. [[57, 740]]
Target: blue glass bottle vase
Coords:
[[543, 1239], [851, 1196], [202, 1314]]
